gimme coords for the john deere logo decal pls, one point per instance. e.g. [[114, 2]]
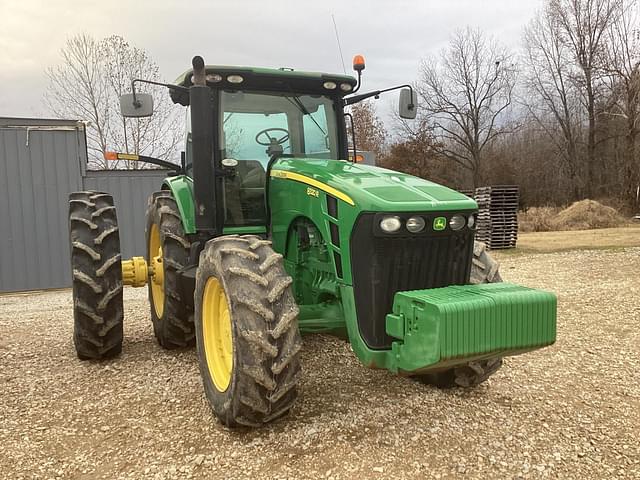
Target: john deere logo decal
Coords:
[[439, 223]]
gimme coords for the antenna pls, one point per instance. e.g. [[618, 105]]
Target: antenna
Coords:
[[335, 28]]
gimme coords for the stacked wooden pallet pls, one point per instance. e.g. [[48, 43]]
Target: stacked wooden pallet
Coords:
[[467, 192], [497, 224]]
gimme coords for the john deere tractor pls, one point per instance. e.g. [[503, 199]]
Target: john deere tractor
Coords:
[[268, 231]]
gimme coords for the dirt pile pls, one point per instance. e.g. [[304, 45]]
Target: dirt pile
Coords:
[[583, 215]]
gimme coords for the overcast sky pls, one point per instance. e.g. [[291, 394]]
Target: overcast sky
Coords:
[[393, 35]]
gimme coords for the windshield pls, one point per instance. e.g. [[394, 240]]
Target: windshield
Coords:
[[258, 125]]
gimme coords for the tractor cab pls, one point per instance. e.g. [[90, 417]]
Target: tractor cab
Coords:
[[260, 115], [255, 127]]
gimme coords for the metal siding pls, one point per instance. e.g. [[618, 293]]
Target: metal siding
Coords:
[[6, 262], [39, 234], [35, 182], [16, 250]]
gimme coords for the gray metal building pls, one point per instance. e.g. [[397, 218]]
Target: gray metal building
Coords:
[[41, 161]]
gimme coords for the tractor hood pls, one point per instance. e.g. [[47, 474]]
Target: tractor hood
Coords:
[[371, 188]]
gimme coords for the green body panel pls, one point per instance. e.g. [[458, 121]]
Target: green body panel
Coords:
[[369, 357], [443, 327], [372, 189], [181, 188], [376, 189], [315, 286]]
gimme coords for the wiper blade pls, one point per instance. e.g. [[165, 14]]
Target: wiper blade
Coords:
[[298, 103]]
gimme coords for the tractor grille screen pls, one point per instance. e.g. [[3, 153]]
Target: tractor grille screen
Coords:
[[385, 264]]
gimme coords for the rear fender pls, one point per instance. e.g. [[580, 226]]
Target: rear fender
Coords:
[[181, 188]]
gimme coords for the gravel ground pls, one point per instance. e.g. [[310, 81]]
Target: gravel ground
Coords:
[[568, 411]]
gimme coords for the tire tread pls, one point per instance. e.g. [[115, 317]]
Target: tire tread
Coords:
[[175, 329], [267, 342], [97, 287]]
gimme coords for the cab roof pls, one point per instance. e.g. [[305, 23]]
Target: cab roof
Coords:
[[266, 79]]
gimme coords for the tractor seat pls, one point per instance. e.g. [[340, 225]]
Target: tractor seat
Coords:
[[252, 178], [245, 193]]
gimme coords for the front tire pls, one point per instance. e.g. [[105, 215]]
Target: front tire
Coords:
[[246, 331], [97, 275]]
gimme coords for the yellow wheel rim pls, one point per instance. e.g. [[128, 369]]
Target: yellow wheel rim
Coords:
[[157, 280], [216, 334]]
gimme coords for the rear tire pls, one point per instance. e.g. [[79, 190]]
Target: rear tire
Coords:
[[260, 359], [172, 319], [484, 269], [97, 275]]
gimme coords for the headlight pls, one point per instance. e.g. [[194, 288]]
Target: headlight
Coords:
[[330, 85], [345, 87], [457, 222], [214, 78], [390, 224], [415, 224], [471, 223], [235, 79]]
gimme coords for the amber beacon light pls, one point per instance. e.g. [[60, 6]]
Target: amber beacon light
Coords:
[[358, 63]]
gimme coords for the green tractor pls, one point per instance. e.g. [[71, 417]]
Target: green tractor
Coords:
[[267, 231]]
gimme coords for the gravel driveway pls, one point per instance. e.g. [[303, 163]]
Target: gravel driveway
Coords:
[[568, 411]]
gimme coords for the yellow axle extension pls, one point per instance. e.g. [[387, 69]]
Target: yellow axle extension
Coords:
[[135, 271]]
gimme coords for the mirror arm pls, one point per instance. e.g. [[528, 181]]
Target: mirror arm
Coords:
[[136, 102], [362, 96], [162, 163], [359, 98]]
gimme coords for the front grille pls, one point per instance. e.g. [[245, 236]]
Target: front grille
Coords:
[[382, 265]]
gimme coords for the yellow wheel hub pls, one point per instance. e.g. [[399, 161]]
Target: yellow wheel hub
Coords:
[[157, 279], [135, 272], [216, 333]]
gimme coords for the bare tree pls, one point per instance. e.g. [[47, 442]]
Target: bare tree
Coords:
[[370, 132], [466, 92], [416, 153], [87, 85], [551, 96], [583, 25], [622, 68], [77, 89]]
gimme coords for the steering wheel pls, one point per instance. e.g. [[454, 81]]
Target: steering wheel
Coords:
[[272, 140]]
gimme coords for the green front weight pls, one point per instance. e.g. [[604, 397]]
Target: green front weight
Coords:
[[444, 327]]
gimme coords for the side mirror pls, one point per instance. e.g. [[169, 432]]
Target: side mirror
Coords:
[[141, 107], [408, 104]]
